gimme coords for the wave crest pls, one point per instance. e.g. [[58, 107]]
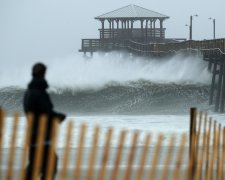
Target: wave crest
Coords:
[[75, 72], [138, 97]]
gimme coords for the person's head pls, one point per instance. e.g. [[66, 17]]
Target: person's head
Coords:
[[38, 70]]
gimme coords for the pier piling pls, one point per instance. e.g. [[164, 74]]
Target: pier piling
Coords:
[[216, 59], [223, 90], [213, 83], [219, 85]]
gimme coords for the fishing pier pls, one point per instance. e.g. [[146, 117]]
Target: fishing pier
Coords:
[[140, 32], [128, 24]]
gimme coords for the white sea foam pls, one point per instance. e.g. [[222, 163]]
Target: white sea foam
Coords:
[[143, 124], [77, 72]]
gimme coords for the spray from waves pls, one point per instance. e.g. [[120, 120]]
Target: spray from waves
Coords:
[[114, 83], [75, 72]]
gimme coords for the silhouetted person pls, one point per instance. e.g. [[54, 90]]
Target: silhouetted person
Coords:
[[38, 102]]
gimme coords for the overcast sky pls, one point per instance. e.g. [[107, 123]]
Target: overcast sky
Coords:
[[36, 29]]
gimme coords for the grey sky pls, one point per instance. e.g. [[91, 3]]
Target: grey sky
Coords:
[[54, 28]]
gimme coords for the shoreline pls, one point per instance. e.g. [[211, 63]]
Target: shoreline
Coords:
[[108, 172]]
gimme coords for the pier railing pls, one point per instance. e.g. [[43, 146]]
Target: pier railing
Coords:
[[150, 48], [206, 157], [134, 33]]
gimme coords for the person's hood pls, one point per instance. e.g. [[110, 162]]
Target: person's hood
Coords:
[[38, 83]]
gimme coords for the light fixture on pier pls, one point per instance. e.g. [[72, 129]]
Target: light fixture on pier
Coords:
[[191, 19], [214, 27], [189, 27]]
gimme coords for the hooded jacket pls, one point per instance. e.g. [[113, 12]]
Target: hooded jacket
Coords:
[[38, 102]]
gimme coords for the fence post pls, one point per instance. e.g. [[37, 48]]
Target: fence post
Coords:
[[1, 136], [11, 155], [192, 145]]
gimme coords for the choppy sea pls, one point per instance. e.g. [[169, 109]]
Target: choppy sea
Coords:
[[115, 90]]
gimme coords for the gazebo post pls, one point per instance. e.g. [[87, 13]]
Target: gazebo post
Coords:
[[161, 29], [117, 28], [154, 29], [132, 24], [113, 29], [117, 23], [146, 33], [142, 34], [102, 35], [151, 28], [110, 28], [128, 28], [122, 27]]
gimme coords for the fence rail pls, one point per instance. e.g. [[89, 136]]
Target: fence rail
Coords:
[[206, 153]]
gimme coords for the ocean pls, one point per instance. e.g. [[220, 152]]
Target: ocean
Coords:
[[113, 90]]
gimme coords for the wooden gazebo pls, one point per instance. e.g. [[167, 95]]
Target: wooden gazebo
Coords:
[[127, 24], [121, 24]]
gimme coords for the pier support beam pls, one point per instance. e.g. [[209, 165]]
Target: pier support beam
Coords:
[[218, 94], [223, 91], [213, 83], [210, 66]]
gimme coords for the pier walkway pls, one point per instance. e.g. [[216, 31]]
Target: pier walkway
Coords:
[[151, 49]]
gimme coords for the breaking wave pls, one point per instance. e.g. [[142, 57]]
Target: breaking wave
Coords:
[[114, 83], [141, 97]]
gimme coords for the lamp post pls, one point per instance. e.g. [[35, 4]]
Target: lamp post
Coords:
[[189, 28], [214, 27], [191, 19]]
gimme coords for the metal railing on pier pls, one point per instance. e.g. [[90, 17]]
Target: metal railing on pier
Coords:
[[93, 45]]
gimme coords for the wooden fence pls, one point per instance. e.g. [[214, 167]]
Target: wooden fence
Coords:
[[206, 156]]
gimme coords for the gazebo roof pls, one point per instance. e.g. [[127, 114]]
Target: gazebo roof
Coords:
[[131, 12]]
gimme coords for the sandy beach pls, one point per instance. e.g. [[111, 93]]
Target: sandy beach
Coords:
[[109, 167]]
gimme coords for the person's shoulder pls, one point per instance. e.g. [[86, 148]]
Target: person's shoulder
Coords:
[[34, 93]]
